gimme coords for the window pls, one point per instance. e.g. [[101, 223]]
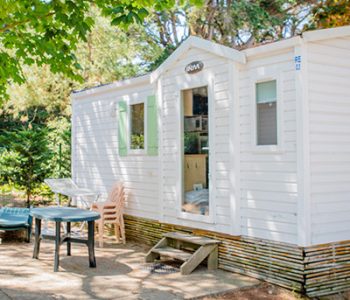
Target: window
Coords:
[[137, 126], [266, 113], [195, 151]]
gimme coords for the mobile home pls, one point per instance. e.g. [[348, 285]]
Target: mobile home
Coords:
[[251, 147]]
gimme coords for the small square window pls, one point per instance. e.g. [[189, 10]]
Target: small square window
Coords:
[[266, 113], [137, 126]]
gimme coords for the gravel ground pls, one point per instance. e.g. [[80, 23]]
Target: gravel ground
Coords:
[[263, 291]]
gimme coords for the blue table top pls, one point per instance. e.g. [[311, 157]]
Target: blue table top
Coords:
[[64, 214]]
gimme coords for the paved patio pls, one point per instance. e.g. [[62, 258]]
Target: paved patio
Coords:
[[120, 274]]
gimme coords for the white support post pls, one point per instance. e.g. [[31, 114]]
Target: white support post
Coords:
[[159, 100], [303, 145], [73, 145], [234, 140]]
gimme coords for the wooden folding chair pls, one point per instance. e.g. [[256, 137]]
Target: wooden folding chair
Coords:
[[111, 212]]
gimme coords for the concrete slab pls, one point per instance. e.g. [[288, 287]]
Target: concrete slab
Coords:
[[120, 274]]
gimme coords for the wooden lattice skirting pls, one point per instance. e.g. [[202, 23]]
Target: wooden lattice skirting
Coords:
[[315, 271]]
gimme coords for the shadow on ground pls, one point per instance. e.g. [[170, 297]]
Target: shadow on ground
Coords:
[[120, 274], [10, 294]]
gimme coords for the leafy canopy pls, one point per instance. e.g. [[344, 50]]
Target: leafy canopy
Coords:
[[47, 32], [108, 55], [43, 101], [331, 13]]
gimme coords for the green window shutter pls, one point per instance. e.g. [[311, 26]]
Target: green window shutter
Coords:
[[122, 128], [152, 126]]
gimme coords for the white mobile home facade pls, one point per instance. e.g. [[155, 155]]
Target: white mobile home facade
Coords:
[[277, 170]]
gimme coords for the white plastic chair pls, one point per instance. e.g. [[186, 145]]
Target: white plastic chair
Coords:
[[111, 212], [66, 187]]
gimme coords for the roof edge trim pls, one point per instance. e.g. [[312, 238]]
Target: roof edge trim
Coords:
[[328, 33], [112, 86], [273, 47]]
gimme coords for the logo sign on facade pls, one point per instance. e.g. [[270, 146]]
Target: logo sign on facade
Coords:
[[297, 61], [194, 67]]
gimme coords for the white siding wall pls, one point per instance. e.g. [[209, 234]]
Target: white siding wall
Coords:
[[216, 75], [269, 178], [329, 103], [97, 164]]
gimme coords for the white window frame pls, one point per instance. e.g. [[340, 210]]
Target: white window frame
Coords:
[[196, 82], [137, 151], [279, 110]]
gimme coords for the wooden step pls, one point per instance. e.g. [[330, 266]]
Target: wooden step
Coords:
[[208, 249], [173, 253], [198, 240]]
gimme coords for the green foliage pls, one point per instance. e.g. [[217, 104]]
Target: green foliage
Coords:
[[24, 158], [162, 57], [108, 55], [236, 23], [59, 138], [55, 138], [330, 13], [7, 158], [5, 188], [49, 33], [36, 32], [42, 33], [191, 143], [137, 141], [43, 101], [42, 194]]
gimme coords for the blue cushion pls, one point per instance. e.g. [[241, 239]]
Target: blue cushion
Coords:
[[11, 217]]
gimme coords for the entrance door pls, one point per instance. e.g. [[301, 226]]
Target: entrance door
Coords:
[[195, 151]]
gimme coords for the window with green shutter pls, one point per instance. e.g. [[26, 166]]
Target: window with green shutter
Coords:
[[138, 127]]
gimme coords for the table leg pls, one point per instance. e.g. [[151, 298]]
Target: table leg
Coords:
[[91, 243], [68, 241], [37, 238], [29, 229], [57, 246]]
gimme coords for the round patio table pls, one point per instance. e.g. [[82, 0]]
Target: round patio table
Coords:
[[59, 214]]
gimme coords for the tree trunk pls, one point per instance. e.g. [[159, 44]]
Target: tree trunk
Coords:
[[174, 27], [28, 199], [162, 37]]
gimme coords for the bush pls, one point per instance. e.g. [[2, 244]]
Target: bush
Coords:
[[25, 158]]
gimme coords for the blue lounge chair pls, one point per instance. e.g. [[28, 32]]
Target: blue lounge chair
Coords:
[[14, 218]]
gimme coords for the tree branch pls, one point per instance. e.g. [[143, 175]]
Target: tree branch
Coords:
[[7, 27]]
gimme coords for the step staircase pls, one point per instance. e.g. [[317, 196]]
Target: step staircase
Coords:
[[191, 250]]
